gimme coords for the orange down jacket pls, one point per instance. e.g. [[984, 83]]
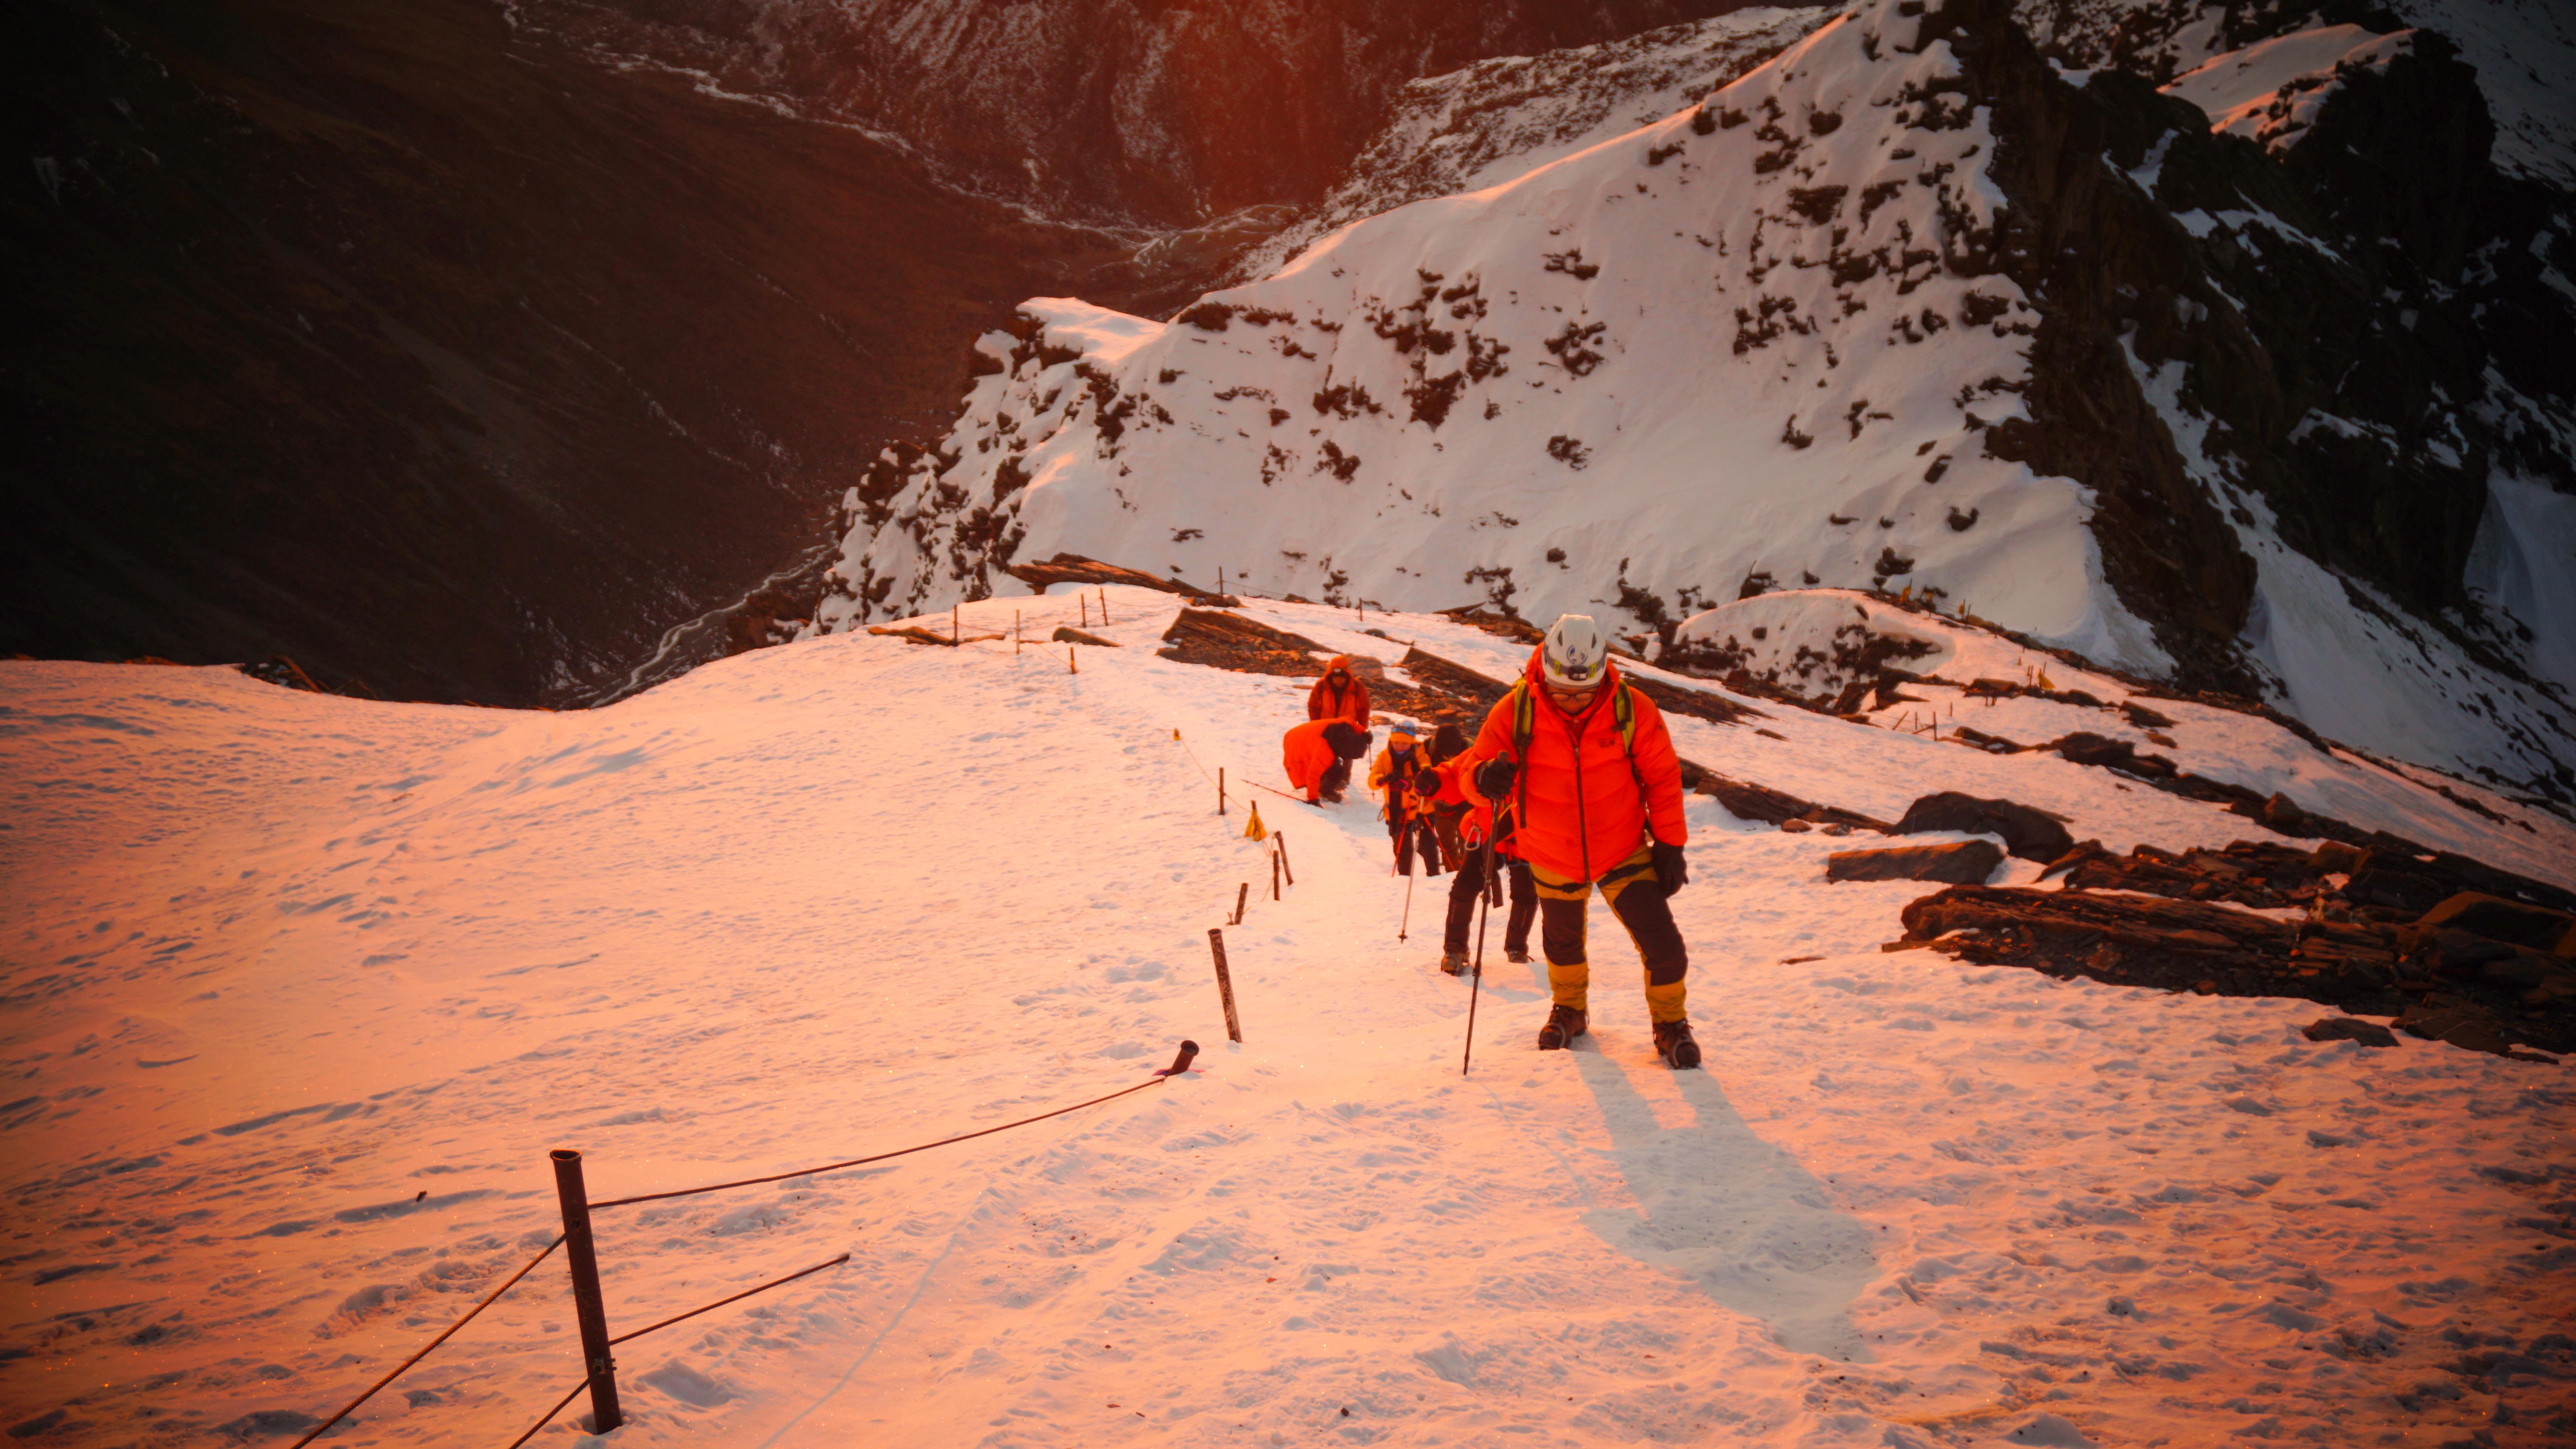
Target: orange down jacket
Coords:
[[1350, 701], [1579, 809], [1307, 755]]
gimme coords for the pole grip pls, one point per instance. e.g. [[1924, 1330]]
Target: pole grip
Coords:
[[1224, 985], [589, 1313]]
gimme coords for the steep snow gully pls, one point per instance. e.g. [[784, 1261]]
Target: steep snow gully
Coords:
[[2255, 381], [302, 989]]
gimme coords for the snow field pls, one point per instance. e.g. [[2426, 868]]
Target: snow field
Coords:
[[276, 963]]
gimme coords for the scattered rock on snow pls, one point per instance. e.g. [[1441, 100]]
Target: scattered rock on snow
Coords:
[[2027, 831], [1966, 862], [1067, 568], [2348, 1028], [1067, 634]]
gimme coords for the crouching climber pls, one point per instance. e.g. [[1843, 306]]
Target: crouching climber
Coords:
[[1581, 761], [1318, 756]]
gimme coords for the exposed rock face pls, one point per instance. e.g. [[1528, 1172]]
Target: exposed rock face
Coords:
[[1965, 862], [2026, 830], [2484, 995], [1117, 111]]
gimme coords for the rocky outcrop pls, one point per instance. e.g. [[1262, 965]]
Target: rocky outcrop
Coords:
[[2464, 992], [1965, 862], [2026, 830]]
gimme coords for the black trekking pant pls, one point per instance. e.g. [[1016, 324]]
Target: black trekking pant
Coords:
[[1412, 833], [1637, 899], [1470, 883]]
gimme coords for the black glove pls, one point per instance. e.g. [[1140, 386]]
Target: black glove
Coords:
[[1494, 777], [1672, 871]]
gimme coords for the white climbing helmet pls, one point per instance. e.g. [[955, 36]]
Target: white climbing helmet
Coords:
[[1575, 651]]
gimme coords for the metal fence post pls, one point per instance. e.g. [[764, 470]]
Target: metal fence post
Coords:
[[586, 1306]]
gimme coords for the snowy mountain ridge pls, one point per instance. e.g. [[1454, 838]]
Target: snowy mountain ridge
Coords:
[[1899, 308], [1501, 119]]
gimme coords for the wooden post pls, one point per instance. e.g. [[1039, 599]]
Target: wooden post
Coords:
[[952, 626], [1274, 875], [1220, 578], [1281, 836], [1242, 894], [1224, 984], [1070, 667], [1104, 607], [588, 1312], [1086, 609], [1220, 789]]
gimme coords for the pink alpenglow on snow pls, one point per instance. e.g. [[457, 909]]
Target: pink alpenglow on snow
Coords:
[[280, 964]]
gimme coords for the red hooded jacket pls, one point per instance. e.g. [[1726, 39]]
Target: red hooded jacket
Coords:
[[1580, 808], [1350, 701]]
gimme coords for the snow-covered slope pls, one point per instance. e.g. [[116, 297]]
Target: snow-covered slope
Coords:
[[1500, 119], [1736, 323], [1900, 308], [302, 989]]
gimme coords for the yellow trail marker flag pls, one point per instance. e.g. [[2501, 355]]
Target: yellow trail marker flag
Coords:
[[1176, 734], [1255, 830], [2043, 680]]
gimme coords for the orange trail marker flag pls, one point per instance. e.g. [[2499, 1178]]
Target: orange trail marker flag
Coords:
[[1256, 830]]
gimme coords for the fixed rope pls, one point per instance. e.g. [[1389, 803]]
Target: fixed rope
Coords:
[[488, 1298], [1154, 1081], [737, 1298]]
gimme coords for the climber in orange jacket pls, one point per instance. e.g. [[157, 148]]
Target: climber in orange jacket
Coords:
[[1318, 756], [1581, 763], [1339, 694]]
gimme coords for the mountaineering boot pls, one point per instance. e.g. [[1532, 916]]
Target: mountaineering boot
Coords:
[[1517, 955], [1454, 962], [1674, 1043], [1564, 1024]]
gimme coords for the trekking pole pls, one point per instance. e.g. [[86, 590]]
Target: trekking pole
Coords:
[[1476, 983], [1408, 907]]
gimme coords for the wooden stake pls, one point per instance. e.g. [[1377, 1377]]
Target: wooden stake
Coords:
[[1220, 789], [1224, 984], [1104, 608], [1070, 667], [1242, 893], [1220, 578], [1281, 836], [1274, 875], [588, 1313], [952, 626], [1085, 602]]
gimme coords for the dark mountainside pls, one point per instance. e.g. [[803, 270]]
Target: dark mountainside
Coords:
[[1128, 112], [454, 363], [442, 361]]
